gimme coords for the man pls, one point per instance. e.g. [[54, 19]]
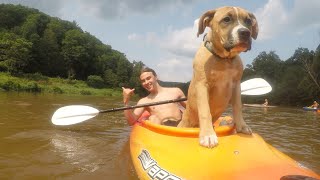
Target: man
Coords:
[[265, 102], [166, 114], [315, 105]]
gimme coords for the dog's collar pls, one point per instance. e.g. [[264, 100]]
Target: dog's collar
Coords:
[[209, 46]]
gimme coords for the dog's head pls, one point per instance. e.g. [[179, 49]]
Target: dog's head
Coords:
[[232, 29]]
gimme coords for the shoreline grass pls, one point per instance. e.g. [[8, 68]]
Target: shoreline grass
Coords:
[[37, 83]]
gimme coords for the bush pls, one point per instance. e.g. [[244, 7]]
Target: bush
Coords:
[[33, 87], [57, 90], [36, 77], [85, 92], [11, 86], [95, 81]]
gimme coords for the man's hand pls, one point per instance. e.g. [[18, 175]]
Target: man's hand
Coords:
[[127, 93]]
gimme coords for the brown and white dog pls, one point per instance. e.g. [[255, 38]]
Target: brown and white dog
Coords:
[[217, 71]]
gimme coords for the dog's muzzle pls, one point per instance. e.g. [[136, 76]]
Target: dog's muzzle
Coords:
[[244, 34], [241, 39]]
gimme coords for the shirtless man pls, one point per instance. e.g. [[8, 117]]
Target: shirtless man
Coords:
[[315, 105], [265, 102], [161, 114]]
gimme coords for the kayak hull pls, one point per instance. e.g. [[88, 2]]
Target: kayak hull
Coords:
[[161, 152], [258, 105], [310, 109]]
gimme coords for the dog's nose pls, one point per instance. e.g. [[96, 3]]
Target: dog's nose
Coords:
[[244, 33]]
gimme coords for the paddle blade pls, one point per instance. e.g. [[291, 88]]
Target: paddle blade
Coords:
[[73, 114], [256, 86]]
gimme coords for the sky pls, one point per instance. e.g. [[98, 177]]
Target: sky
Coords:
[[163, 33]]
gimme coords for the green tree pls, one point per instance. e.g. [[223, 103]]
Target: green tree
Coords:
[[75, 54], [50, 60], [267, 66], [15, 53], [110, 78], [309, 61]]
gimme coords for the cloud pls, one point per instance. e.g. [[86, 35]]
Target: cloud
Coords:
[[176, 69], [305, 14], [274, 19], [113, 9], [182, 42], [171, 63], [179, 42], [179, 46], [133, 37], [110, 9], [103, 9]]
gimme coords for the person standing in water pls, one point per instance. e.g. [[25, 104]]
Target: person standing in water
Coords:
[[265, 102]]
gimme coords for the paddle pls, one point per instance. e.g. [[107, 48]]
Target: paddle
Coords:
[[256, 86], [73, 114]]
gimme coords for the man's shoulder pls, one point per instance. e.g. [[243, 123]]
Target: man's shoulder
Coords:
[[143, 100], [171, 89]]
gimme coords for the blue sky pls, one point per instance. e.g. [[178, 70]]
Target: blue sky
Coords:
[[162, 33]]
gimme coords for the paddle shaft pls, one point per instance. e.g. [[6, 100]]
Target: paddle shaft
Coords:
[[143, 105], [157, 103]]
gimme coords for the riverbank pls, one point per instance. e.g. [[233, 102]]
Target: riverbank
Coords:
[[36, 83]]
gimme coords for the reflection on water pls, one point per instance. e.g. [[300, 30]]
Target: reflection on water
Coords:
[[33, 148]]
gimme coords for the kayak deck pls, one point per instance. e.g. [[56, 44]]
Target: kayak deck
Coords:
[[258, 105], [160, 152]]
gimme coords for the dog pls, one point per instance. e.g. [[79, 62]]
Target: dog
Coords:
[[217, 71]]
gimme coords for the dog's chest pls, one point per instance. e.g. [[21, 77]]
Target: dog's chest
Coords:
[[222, 72]]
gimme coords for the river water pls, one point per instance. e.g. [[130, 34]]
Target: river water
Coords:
[[31, 147]]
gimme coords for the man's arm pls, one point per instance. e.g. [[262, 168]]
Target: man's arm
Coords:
[[131, 115], [181, 95]]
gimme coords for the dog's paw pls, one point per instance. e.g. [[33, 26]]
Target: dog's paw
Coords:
[[244, 129], [209, 141]]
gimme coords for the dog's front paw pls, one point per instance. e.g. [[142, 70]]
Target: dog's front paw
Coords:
[[244, 129], [209, 141]]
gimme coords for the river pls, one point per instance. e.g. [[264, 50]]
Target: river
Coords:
[[31, 147]]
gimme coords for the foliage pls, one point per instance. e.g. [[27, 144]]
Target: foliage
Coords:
[[53, 85], [95, 82], [295, 81]]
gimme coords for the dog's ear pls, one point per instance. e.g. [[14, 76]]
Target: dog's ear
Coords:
[[205, 20], [255, 28]]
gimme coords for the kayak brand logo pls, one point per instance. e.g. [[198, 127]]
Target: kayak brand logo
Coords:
[[153, 169]]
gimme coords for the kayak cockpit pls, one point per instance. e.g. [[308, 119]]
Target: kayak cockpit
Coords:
[[223, 126]]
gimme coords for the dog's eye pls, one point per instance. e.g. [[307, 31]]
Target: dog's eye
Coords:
[[226, 19], [248, 21]]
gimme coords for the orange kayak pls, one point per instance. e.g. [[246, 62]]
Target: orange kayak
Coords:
[[164, 152]]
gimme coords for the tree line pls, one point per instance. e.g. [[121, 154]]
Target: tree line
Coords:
[[33, 42], [295, 81]]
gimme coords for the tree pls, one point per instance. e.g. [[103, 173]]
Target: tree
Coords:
[[75, 54], [50, 60], [268, 66], [110, 78], [309, 61], [15, 54]]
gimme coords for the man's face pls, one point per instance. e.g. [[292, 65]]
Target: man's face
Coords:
[[148, 81]]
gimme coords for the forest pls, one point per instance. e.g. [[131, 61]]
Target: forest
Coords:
[[32, 42]]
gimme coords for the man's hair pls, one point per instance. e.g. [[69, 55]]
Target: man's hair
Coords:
[[147, 69]]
